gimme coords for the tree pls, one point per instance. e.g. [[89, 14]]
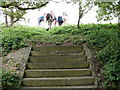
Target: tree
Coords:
[[23, 4], [15, 10], [108, 10], [84, 7], [14, 14]]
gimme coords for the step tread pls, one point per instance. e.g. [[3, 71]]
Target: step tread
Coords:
[[58, 87], [65, 64], [58, 72], [57, 48], [37, 53], [58, 51], [57, 69], [58, 78], [59, 81], [56, 58]]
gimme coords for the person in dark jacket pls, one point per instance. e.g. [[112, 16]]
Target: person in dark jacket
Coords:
[[60, 20]]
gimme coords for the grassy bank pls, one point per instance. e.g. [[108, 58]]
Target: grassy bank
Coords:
[[104, 38]]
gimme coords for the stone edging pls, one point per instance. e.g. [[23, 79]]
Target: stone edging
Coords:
[[89, 57], [24, 64]]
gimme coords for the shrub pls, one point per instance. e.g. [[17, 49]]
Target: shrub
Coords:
[[12, 43], [10, 79], [100, 38], [109, 57], [17, 37]]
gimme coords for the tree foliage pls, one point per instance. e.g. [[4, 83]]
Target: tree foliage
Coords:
[[108, 10], [15, 10], [23, 4], [14, 15]]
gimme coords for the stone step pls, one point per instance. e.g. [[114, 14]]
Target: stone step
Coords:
[[92, 87], [47, 48], [39, 53], [58, 65], [61, 81], [57, 72], [56, 58], [59, 51]]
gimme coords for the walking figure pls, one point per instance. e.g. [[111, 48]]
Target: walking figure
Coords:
[[40, 19], [49, 20]]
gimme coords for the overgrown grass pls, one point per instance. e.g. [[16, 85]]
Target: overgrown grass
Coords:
[[15, 37], [107, 40], [104, 37]]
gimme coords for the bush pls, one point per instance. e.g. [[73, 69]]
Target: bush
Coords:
[[12, 43], [109, 57], [105, 38], [17, 37], [100, 38], [10, 79]]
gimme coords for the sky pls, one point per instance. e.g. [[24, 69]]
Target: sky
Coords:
[[71, 10]]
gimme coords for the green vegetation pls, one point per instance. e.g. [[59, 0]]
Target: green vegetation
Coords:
[[15, 10], [10, 79], [102, 37], [15, 37]]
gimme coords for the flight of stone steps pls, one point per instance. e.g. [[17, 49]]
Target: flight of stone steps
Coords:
[[57, 67]]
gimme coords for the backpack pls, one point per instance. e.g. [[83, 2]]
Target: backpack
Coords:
[[48, 16], [60, 18], [42, 18]]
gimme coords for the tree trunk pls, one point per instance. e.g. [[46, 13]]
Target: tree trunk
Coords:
[[119, 15], [78, 25], [80, 15], [11, 20], [14, 21], [6, 20]]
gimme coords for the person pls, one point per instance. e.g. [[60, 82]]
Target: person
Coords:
[[55, 20], [49, 19], [60, 20], [65, 17], [40, 19]]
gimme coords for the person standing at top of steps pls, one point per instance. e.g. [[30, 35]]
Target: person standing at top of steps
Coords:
[[41, 18]]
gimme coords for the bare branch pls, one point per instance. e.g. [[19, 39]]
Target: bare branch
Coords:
[[88, 9], [56, 1], [15, 4]]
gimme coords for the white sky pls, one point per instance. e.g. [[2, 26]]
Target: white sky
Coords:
[[58, 8]]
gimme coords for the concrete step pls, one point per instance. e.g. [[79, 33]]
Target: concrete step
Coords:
[[58, 65], [47, 48], [61, 81], [56, 58], [39, 53], [92, 87], [57, 72], [59, 51]]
